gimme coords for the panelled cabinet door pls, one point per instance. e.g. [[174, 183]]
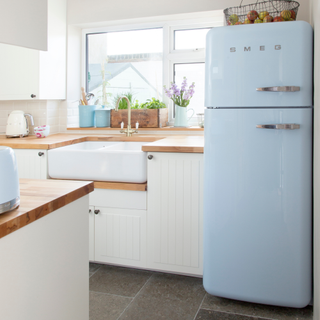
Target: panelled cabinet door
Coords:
[[32, 163], [28, 74], [91, 233], [120, 236], [175, 212], [19, 76]]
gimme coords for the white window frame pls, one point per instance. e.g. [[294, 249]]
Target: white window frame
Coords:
[[209, 19]]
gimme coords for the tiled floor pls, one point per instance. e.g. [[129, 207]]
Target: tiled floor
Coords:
[[123, 293]]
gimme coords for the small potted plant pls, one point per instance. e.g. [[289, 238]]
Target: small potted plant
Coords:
[[151, 114]]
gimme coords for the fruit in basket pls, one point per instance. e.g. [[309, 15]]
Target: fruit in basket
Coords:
[[258, 21], [230, 23], [252, 15], [268, 19], [238, 23], [285, 14], [263, 14], [278, 19], [247, 21], [293, 14], [233, 18]]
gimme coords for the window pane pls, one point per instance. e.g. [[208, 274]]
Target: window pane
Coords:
[[194, 72], [190, 39], [124, 63]]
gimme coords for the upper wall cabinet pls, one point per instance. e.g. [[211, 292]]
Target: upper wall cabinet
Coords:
[[24, 23], [28, 74]]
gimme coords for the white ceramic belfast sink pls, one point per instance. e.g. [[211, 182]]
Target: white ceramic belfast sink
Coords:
[[99, 161]]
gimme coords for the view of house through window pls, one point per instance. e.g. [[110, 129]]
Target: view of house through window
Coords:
[[125, 63]]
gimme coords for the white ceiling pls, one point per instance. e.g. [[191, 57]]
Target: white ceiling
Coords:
[[91, 11]]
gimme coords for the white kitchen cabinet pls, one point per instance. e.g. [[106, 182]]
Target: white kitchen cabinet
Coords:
[[91, 233], [175, 191], [24, 23], [28, 74], [119, 224], [120, 236], [32, 163], [44, 274]]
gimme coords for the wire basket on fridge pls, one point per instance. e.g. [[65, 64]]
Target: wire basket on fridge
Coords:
[[262, 11]]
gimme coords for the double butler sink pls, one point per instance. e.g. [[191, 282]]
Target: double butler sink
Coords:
[[99, 161]]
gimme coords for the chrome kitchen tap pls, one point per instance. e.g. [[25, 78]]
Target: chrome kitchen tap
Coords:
[[127, 131]]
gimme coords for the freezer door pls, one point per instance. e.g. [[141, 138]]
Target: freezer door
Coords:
[[257, 205], [242, 61]]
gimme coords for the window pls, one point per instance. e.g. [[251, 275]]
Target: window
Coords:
[[139, 59], [190, 39], [125, 63], [194, 73]]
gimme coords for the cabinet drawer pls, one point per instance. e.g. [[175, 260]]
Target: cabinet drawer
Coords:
[[124, 199]]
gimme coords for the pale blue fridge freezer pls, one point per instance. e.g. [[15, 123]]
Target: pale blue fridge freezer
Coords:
[[258, 163]]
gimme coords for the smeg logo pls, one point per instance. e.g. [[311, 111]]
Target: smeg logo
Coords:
[[261, 48]]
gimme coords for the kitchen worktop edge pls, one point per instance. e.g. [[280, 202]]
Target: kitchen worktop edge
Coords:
[[39, 198], [154, 143]]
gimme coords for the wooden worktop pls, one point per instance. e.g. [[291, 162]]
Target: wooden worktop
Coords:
[[39, 198], [154, 143], [189, 144], [60, 140]]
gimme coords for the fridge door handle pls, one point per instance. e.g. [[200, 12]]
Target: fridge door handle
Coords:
[[283, 126], [280, 89]]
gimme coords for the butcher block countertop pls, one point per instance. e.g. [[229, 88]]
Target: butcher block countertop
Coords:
[[189, 144], [39, 198], [154, 143]]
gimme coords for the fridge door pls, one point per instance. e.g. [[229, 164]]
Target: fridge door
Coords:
[[241, 59], [257, 205]]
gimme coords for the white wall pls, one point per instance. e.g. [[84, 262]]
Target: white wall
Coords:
[[43, 112], [92, 11]]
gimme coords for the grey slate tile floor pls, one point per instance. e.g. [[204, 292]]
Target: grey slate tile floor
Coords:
[[122, 293]]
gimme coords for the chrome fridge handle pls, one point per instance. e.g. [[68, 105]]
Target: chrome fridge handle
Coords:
[[280, 89], [284, 126]]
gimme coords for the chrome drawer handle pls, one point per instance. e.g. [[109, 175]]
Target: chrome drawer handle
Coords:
[[279, 89], [284, 126]]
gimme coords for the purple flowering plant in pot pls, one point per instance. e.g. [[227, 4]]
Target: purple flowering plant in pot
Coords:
[[181, 98]]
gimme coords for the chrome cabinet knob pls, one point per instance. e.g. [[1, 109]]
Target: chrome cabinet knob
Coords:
[[33, 96], [40, 154], [150, 157], [90, 210], [96, 211]]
